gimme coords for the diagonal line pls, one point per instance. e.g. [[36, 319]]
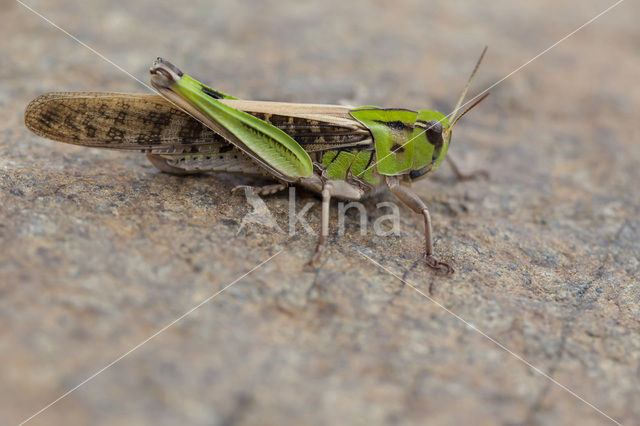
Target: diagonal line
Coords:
[[86, 45], [109, 61], [590, 21], [149, 338], [503, 79], [500, 345]]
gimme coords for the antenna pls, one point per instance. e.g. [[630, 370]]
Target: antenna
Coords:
[[482, 98], [466, 88]]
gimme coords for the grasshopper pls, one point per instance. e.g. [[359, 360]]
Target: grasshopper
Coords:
[[333, 150]]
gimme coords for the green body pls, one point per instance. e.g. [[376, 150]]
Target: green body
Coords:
[[405, 142], [291, 143], [404, 139]]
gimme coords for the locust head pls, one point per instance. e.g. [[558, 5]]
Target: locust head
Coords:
[[434, 130], [411, 143], [433, 139]]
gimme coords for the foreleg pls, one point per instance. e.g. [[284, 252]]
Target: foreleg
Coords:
[[414, 202]]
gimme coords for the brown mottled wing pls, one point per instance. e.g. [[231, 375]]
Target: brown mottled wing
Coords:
[[149, 123], [117, 120]]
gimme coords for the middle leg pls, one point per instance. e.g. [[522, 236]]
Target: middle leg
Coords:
[[262, 190], [460, 175], [327, 189]]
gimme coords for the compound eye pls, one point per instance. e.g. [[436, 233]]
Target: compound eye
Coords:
[[434, 132]]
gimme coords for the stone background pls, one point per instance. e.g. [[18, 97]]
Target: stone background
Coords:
[[98, 250]]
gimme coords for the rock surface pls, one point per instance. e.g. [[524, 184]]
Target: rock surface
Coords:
[[99, 251]]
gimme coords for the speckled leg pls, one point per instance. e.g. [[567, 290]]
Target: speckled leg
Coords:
[[324, 233]]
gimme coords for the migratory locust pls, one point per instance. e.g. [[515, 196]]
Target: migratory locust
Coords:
[[336, 151]]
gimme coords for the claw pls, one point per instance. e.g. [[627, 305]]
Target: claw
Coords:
[[436, 264], [314, 260], [317, 254]]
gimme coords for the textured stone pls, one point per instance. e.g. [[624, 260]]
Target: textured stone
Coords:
[[99, 251]]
